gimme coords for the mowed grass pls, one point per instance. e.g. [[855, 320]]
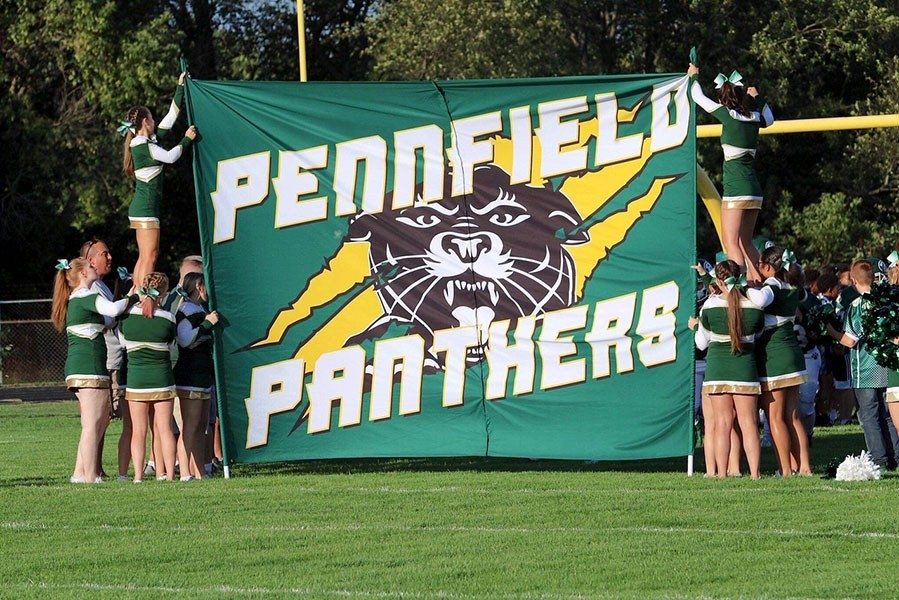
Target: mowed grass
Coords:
[[443, 528]]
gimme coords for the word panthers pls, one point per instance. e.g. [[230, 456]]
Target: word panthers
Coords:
[[338, 377]]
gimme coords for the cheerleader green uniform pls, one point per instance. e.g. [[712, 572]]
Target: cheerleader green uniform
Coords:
[[86, 358], [193, 371], [149, 360], [893, 386], [149, 158], [739, 141], [781, 361], [726, 372]]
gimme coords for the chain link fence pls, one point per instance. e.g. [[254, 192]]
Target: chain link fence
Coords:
[[32, 352]]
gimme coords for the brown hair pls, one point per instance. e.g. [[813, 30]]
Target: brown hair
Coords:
[[136, 116], [733, 97], [159, 282], [65, 281], [794, 276], [862, 272], [826, 282], [723, 270], [192, 282], [773, 257]]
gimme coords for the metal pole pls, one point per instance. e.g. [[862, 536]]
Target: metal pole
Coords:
[[810, 125], [301, 38]]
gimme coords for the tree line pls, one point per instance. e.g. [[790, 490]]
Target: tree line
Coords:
[[71, 68]]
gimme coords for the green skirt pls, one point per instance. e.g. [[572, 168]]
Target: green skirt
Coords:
[[741, 186], [729, 373], [780, 360]]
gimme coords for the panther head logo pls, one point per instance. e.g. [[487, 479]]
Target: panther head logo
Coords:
[[497, 255]]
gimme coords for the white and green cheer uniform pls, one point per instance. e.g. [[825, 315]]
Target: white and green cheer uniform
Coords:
[[148, 158], [193, 372], [892, 386], [86, 359], [726, 372], [148, 342], [739, 140], [781, 362]]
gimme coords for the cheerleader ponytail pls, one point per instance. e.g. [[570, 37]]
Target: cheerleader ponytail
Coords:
[[136, 116], [66, 280], [728, 272], [155, 286]]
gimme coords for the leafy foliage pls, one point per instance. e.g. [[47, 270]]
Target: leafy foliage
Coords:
[[70, 69]]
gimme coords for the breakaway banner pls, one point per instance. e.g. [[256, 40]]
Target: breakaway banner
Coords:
[[493, 268]]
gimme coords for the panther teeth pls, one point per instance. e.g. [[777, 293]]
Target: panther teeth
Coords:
[[449, 293], [494, 295]]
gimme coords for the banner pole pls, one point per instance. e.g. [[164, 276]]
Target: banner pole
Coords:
[[207, 268], [812, 125], [689, 465], [301, 38]]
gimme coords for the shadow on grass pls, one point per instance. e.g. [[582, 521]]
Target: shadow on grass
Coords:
[[828, 444], [14, 482]]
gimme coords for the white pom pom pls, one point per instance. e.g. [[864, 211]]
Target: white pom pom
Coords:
[[858, 468]]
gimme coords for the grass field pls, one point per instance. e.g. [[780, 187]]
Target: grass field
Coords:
[[455, 529]]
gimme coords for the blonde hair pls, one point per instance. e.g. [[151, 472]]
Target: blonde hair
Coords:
[[893, 275], [159, 282], [65, 281]]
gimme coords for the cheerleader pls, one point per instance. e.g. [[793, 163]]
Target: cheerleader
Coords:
[[726, 328], [781, 362], [144, 159], [742, 196], [81, 311], [193, 374], [892, 393], [148, 341]]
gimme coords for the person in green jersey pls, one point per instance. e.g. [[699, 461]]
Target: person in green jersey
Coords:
[[144, 159], [811, 353], [193, 373], [727, 326], [150, 379], [780, 360], [742, 197], [80, 311], [869, 379]]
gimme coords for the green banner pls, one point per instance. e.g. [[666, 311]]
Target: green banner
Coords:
[[450, 268]]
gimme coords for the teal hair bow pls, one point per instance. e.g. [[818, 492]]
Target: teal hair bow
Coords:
[[735, 282], [181, 292], [124, 127], [124, 275], [893, 258], [787, 259], [151, 292], [734, 79], [63, 265]]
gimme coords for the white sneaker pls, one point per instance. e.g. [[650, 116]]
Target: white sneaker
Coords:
[[188, 478], [74, 479], [98, 480], [162, 478]]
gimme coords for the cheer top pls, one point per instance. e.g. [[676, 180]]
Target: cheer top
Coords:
[[85, 324], [725, 371], [148, 344], [780, 359], [149, 158], [739, 141], [193, 372]]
